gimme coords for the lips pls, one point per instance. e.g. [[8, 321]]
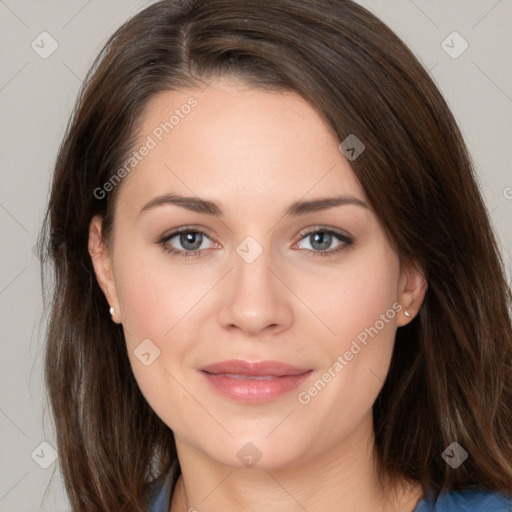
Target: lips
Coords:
[[246, 382], [245, 368]]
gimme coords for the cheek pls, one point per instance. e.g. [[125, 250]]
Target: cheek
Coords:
[[352, 297], [360, 312], [155, 302], [154, 296], [160, 302]]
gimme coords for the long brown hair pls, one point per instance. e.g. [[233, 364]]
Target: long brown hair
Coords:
[[450, 378]]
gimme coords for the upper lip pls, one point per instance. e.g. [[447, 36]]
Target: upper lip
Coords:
[[241, 367]]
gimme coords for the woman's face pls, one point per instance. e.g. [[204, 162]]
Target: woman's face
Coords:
[[318, 288]]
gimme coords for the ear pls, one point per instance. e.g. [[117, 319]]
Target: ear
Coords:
[[102, 263], [412, 289]]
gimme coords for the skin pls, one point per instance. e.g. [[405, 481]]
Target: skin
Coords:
[[255, 152]]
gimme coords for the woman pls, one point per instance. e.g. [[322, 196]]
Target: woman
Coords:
[[336, 336]]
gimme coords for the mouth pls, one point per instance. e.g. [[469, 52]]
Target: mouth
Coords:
[[247, 382]]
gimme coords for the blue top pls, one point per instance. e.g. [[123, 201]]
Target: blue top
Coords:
[[453, 501], [466, 501], [161, 497]]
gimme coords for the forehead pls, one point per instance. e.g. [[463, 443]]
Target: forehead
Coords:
[[236, 144]]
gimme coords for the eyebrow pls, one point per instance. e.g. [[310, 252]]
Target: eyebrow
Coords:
[[297, 208]]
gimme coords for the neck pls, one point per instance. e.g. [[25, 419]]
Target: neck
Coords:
[[345, 479]]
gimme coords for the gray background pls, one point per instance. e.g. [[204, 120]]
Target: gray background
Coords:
[[36, 97]]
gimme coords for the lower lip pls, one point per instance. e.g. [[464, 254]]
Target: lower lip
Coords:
[[255, 391]]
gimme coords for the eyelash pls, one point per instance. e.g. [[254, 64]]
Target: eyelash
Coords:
[[347, 242]]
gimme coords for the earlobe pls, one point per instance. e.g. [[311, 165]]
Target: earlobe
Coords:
[[413, 287], [102, 264]]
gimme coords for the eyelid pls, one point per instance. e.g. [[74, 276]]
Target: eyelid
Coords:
[[185, 229], [328, 229]]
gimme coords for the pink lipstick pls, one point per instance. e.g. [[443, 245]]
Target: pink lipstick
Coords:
[[252, 383]]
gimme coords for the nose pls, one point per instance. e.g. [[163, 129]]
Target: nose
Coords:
[[256, 299]]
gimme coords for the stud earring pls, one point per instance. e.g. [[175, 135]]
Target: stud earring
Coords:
[[112, 310], [407, 314]]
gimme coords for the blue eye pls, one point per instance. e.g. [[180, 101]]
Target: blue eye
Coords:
[[321, 239], [192, 241]]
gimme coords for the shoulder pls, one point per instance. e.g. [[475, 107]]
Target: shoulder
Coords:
[[468, 501]]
